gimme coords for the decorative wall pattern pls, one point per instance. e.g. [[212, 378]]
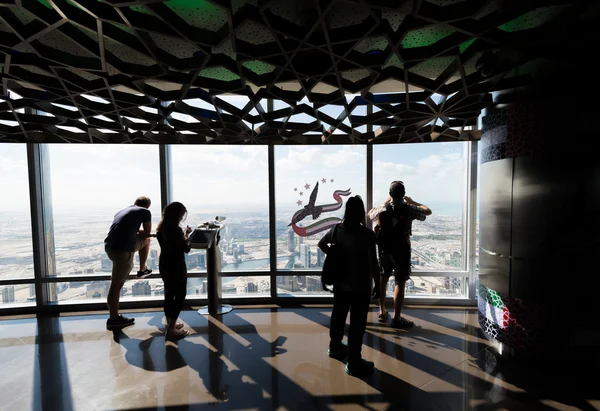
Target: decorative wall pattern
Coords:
[[511, 321], [91, 71]]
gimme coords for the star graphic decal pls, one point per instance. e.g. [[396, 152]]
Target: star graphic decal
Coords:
[[307, 186], [299, 202], [300, 193], [324, 180], [331, 180], [295, 189]]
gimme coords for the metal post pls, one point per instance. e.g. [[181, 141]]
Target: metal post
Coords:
[[472, 218], [369, 169], [166, 175], [272, 215], [42, 224], [213, 282]]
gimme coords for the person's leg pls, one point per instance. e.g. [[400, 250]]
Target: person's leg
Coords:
[[170, 290], [399, 299], [341, 306], [359, 309], [383, 282], [143, 252], [122, 265], [179, 297], [386, 268]]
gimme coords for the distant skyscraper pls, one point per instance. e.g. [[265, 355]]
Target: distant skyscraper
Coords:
[[236, 254], [251, 288], [202, 260], [31, 290], [97, 289], [241, 248], [154, 253], [288, 283], [305, 255], [291, 240], [8, 294], [320, 257], [106, 264], [313, 283], [141, 288]]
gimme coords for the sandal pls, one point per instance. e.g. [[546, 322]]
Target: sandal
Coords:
[[178, 325], [402, 323], [384, 317], [176, 335]]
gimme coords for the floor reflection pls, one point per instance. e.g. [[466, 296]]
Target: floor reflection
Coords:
[[273, 359]]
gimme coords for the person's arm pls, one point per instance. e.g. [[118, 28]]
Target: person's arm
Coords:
[[325, 241], [426, 210], [146, 230], [185, 244]]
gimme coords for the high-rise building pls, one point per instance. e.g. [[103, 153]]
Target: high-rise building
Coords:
[[106, 264], [8, 294], [305, 255], [320, 257], [251, 287], [313, 283], [31, 290], [97, 289], [291, 240], [154, 253], [288, 283], [141, 288], [241, 248], [236, 254]]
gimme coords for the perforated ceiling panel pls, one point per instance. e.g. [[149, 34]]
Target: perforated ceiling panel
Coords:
[[346, 71]]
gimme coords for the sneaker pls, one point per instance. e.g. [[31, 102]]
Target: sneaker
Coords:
[[144, 274], [176, 334], [339, 352], [119, 322], [360, 368]]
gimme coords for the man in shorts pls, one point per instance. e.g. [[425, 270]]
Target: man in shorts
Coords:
[[125, 239], [395, 224]]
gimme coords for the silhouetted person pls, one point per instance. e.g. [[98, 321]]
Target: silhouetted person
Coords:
[[174, 244], [395, 221], [125, 239], [353, 291]]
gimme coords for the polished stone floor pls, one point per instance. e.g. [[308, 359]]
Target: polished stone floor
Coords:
[[264, 358]]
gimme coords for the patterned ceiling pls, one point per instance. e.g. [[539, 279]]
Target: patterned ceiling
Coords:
[[265, 71]]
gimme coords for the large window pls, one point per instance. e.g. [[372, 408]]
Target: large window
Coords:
[[83, 186], [434, 175], [229, 181], [16, 249], [89, 184], [312, 185]]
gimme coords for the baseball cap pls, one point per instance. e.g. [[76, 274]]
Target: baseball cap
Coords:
[[397, 189]]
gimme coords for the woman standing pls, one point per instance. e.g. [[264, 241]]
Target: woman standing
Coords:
[[173, 246], [355, 244]]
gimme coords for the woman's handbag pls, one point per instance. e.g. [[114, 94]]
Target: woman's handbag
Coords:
[[332, 265]]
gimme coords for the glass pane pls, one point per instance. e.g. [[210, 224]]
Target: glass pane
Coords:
[[300, 285], [16, 248], [311, 186], [17, 294], [229, 181], [90, 291], [255, 286], [89, 184], [442, 287], [434, 174]]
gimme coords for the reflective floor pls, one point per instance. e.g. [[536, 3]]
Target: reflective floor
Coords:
[[273, 358]]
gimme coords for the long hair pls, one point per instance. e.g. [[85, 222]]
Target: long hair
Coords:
[[355, 214], [172, 215]]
